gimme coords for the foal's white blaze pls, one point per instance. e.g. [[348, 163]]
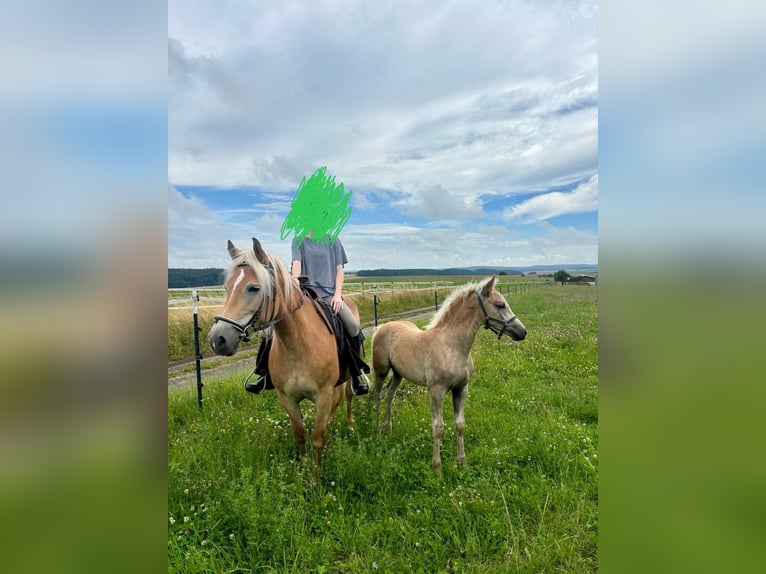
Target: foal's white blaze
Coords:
[[239, 280]]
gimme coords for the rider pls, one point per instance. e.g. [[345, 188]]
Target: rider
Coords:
[[322, 262]]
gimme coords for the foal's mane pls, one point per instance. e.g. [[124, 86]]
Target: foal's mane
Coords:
[[451, 303], [247, 257]]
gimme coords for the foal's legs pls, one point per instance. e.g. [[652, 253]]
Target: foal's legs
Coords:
[[379, 380], [296, 420], [437, 393], [396, 380], [458, 402]]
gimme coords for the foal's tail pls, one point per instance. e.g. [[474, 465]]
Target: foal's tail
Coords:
[[381, 362], [372, 341]]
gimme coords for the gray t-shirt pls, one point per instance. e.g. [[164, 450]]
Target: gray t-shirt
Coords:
[[318, 261]]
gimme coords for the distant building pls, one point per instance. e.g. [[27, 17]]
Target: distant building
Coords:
[[582, 280]]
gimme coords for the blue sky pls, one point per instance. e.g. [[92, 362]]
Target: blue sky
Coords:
[[467, 134]]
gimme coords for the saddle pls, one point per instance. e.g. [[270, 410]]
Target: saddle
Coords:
[[332, 322]]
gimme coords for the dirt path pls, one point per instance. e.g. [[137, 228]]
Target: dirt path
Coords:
[[243, 364]]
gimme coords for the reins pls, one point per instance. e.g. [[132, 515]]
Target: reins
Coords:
[[489, 320], [251, 324]]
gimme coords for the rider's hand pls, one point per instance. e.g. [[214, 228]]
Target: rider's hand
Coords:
[[336, 303]]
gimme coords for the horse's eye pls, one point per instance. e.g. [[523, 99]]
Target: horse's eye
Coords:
[[253, 288], [500, 305]]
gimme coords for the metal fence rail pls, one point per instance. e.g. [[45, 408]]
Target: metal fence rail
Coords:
[[179, 298]]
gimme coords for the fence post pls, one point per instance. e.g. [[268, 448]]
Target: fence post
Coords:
[[197, 355], [375, 302], [436, 300]]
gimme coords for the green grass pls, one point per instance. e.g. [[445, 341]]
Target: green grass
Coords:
[[527, 502]]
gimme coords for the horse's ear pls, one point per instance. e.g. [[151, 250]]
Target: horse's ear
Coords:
[[486, 289], [233, 251], [260, 254]]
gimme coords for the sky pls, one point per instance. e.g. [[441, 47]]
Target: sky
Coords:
[[467, 133]]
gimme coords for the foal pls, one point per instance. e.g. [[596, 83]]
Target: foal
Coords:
[[439, 357]]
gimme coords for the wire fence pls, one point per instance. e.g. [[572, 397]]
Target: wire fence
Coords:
[[387, 299], [375, 306]]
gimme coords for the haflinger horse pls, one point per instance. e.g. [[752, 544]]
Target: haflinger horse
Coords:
[[303, 362], [439, 357]]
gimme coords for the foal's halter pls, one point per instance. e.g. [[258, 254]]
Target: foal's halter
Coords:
[[488, 321], [251, 324]]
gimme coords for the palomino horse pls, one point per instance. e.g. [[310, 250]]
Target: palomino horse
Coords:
[[439, 357], [303, 362]]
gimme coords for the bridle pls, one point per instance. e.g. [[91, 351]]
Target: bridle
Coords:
[[488, 321], [251, 324]]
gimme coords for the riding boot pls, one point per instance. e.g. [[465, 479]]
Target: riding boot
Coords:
[[263, 382], [360, 383], [357, 346]]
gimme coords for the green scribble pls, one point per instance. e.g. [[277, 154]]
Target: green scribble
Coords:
[[319, 206]]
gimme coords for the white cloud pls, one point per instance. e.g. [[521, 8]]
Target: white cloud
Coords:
[[264, 93], [435, 202], [406, 105], [268, 222], [582, 199], [188, 209], [401, 246]]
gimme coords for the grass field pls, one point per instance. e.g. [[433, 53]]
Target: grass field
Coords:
[[238, 501]]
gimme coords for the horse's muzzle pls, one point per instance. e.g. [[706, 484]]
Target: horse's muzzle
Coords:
[[517, 335], [223, 339]]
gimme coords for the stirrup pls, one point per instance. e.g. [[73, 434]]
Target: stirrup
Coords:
[[258, 386], [362, 386]]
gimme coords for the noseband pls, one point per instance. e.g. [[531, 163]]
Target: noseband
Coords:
[[251, 324], [489, 321]]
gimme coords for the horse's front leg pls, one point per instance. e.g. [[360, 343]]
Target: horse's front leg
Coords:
[[349, 397], [296, 420], [437, 424], [325, 407], [459, 395]]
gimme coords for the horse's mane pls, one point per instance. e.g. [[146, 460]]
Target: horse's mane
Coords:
[[452, 301], [247, 256]]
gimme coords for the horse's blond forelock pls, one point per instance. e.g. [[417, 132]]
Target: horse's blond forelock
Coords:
[[265, 280]]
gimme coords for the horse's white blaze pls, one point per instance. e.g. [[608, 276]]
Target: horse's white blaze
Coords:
[[239, 279]]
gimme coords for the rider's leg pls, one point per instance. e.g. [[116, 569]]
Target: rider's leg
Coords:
[[360, 383], [261, 368]]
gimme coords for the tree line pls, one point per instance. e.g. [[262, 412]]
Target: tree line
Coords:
[[450, 271], [183, 278]]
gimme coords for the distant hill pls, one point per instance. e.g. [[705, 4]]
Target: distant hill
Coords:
[[450, 271], [474, 270], [181, 278]]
